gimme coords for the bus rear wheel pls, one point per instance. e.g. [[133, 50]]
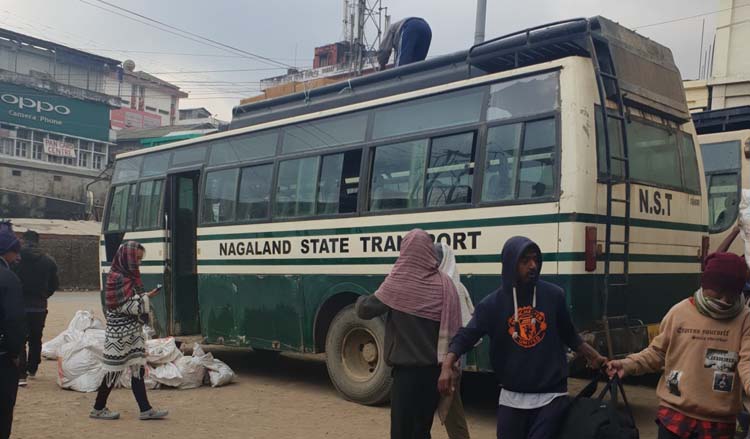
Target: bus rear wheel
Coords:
[[355, 358]]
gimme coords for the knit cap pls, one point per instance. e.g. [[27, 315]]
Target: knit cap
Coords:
[[724, 272], [9, 242]]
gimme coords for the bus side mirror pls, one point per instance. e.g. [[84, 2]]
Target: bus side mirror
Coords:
[[89, 203]]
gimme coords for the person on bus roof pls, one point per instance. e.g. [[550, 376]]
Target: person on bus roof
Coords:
[[423, 312], [126, 310], [703, 347], [529, 326], [410, 38]]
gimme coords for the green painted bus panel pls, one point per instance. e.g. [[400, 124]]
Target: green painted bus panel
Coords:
[[287, 306], [262, 311]]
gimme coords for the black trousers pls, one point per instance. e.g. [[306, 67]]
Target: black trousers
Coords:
[[414, 399], [539, 423], [137, 385], [8, 391], [35, 326]]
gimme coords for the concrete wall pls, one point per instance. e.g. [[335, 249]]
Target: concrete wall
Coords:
[[39, 192], [77, 260], [732, 35]]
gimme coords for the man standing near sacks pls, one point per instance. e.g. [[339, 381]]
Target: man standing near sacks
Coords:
[[12, 328], [703, 347], [529, 326], [38, 274]]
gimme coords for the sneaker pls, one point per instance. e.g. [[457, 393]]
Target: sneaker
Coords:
[[104, 414], [153, 414], [22, 382]]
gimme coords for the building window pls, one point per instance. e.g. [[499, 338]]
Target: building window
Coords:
[[150, 108], [22, 149], [16, 173], [57, 178]]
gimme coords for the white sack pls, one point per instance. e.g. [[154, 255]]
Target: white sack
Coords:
[[82, 321], [192, 368], [162, 351], [78, 362]]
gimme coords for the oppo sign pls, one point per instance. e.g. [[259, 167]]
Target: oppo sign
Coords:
[[24, 103]]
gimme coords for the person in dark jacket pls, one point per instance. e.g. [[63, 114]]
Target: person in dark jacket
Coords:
[[529, 326], [38, 274], [410, 38], [12, 328], [423, 312]]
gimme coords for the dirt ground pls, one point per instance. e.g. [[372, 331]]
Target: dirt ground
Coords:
[[289, 397]]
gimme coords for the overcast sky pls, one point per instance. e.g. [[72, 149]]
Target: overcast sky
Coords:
[[289, 30]]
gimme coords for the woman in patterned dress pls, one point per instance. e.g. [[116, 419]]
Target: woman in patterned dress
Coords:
[[126, 310]]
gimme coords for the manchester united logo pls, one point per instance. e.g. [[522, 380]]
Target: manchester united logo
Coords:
[[532, 325]]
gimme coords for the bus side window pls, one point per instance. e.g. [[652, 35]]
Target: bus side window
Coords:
[[149, 200], [338, 187], [295, 187], [219, 196], [255, 193], [398, 176], [450, 170], [118, 208], [503, 143], [537, 164]]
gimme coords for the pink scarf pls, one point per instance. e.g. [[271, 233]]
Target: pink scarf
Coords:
[[415, 286]]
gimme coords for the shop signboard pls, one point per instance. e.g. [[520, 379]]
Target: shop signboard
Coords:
[[50, 112]]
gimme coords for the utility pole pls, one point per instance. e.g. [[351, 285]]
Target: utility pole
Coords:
[[481, 20]]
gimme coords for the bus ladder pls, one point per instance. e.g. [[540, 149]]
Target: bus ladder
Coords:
[[606, 75]]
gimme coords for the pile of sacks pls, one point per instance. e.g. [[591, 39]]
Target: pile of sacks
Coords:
[[79, 348]]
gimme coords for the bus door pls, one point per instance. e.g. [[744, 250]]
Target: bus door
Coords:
[[181, 276]]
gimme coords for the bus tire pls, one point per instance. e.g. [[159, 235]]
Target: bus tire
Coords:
[[355, 358]]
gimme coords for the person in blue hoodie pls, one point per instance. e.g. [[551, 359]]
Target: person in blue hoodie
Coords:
[[529, 326]]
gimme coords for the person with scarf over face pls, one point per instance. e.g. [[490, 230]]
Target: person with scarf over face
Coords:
[[126, 310], [422, 314], [703, 348], [529, 326]]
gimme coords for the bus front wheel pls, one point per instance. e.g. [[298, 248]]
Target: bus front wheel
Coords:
[[355, 358]]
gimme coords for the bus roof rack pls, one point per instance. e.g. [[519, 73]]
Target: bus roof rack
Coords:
[[648, 75], [725, 119]]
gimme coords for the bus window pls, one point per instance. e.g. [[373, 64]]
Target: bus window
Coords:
[[722, 201], [398, 175], [295, 189], [441, 111], [339, 183], [188, 156], [523, 97], [255, 193], [653, 154], [615, 145], [537, 164], [127, 169], [500, 162], [156, 164], [690, 164], [721, 156], [118, 208], [219, 196], [241, 148], [149, 201], [450, 170], [334, 131]]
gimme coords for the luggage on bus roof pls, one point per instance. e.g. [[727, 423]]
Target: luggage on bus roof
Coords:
[[646, 70]]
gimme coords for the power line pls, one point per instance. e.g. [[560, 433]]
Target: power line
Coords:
[[201, 38], [675, 20], [210, 55]]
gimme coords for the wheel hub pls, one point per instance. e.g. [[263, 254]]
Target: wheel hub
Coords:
[[360, 354]]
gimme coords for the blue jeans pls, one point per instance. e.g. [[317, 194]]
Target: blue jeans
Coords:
[[414, 42], [541, 423]]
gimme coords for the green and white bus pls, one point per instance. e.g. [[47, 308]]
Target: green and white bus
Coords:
[[265, 235], [724, 136]]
